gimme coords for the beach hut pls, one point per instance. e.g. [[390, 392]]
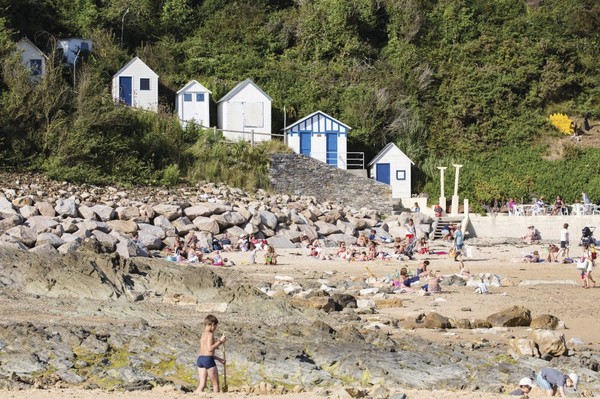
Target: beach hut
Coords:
[[193, 104], [244, 110], [321, 137], [32, 57], [74, 48], [392, 166], [136, 85]]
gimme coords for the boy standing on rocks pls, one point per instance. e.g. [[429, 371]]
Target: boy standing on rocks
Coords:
[[206, 359]]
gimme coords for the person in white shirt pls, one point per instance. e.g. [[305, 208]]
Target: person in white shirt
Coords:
[[564, 242]]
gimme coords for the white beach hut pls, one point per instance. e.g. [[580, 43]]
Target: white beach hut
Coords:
[[321, 137], [392, 166], [32, 57], [136, 85], [244, 110], [73, 48], [193, 104]]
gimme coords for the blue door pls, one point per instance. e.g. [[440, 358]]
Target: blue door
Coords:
[[305, 138], [125, 89], [332, 149], [382, 173]]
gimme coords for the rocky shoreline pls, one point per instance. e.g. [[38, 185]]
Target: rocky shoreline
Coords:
[[98, 319]]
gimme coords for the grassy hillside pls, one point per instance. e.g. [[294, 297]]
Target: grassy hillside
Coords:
[[468, 81]]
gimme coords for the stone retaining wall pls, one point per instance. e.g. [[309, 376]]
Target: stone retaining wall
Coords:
[[301, 175]]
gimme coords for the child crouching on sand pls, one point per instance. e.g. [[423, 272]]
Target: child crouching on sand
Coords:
[[206, 359]]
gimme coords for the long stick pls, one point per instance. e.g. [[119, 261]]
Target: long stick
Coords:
[[225, 387]]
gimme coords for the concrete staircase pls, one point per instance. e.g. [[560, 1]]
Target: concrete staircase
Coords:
[[438, 225]]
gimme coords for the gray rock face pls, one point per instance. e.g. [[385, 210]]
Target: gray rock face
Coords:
[[66, 207]]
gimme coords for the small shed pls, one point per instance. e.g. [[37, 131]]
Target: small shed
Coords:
[[136, 85], [321, 137], [74, 48], [244, 110], [392, 166], [193, 104], [32, 57]]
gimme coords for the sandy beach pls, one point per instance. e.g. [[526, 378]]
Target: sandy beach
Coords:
[[543, 288]]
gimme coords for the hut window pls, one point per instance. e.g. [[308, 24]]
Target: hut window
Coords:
[[144, 84], [187, 97], [36, 67], [400, 175], [199, 97]]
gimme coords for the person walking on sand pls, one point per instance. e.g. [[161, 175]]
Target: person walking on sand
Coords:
[[553, 381], [206, 359], [564, 241]]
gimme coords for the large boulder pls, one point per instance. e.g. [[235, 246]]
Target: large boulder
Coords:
[[49, 238], [106, 241], [435, 320], [151, 230], [129, 249], [66, 207], [11, 221], [171, 212], [516, 316], [326, 229], [128, 212], [309, 231], [206, 224], [149, 241], [545, 322], [123, 226], [164, 223], [268, 219], [28, 211], [45, 208], [228, 219], [183, 225], [196, 211], [87, 212], [280, 242], [550, 342], [41, 224], [522, 347], [293, 236], [22, 234]]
